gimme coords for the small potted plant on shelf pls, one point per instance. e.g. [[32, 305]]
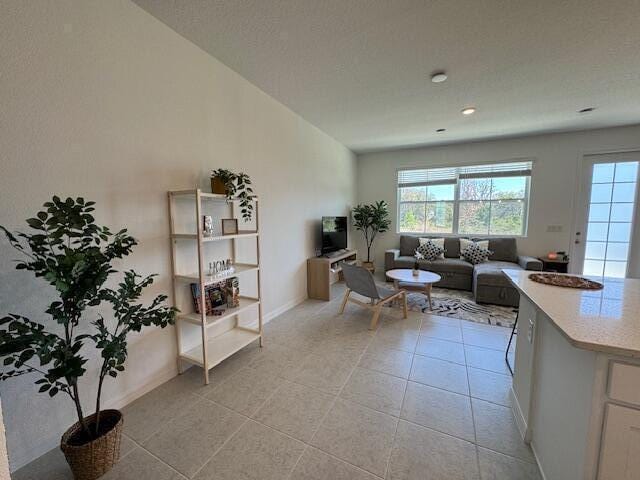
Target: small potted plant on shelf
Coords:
[[75, 256], [234, 185], [371, 220]]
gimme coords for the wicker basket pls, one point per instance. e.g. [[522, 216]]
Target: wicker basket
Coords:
[[92, 460], [217, 186]]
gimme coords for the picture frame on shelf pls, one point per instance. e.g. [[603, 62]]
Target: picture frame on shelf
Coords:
[[229, 226]]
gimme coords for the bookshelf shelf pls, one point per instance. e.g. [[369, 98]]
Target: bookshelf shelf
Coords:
[[206, 340]]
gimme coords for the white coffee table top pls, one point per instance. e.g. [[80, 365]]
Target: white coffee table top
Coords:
[[406, 275]]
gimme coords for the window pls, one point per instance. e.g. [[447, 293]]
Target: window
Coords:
[[611, 207], [472, 200]]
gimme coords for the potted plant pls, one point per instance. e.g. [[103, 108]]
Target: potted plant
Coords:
[[234, 185], [75, 256], [371, 220]]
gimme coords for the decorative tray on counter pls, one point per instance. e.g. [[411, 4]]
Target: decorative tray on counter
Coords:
[[568, 281]]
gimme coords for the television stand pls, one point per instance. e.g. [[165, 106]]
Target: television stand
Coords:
[[322, 272], [337, 253]]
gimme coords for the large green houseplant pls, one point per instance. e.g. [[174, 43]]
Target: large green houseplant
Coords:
[[75, 256], [234, 185], [371, 219]]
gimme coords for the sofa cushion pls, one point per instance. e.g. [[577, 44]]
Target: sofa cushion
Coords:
[[408, 245], [447, 265], [451, 247], [404, 261], [505, 249], [490, 273]]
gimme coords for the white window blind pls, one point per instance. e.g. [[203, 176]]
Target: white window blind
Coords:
[[441, 176]]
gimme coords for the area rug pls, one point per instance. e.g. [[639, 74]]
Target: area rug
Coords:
[[460, 304]]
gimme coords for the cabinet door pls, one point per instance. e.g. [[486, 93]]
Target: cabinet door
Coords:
[[620, 449]]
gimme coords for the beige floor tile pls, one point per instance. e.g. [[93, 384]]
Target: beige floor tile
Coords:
[[496, 466], [140, 465], [396, 338], [442, 349], [387, 360], [256, 452], [295, 410], [496, 429], [409, 324], [375, 390], [148, 413], [51, 466], [486, 359], [357, 435], [245, 391], [317, 465], [490, 386], [493, 340], [444, 411], [188, 441], [440, 373], [442, 320], [324, 372], [420, 453], [443, 332], [274, 359]]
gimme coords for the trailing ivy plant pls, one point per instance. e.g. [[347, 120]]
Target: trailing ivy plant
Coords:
[[74, 255], [371, 220], [237, 185]]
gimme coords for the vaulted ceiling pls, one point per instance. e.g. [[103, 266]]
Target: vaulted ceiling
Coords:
[[360, 69]]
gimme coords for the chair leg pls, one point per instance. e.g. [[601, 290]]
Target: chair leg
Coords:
[[344, 301], [376, 314], [404, 304]]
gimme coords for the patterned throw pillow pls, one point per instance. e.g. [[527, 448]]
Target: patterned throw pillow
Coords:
[[429, 249], [475, 253]]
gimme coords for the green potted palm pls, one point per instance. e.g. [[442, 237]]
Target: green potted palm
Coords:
[[75, 257], [371, 219], [234, 185]]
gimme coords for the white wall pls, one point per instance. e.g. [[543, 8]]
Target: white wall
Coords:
[[100, 99], [558, 158]]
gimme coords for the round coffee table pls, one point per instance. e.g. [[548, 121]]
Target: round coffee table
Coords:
[[421, 282]]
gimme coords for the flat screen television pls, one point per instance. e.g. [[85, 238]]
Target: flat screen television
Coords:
[[334, 234]]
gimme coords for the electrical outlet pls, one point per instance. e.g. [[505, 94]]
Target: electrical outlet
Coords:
[[554, 228]]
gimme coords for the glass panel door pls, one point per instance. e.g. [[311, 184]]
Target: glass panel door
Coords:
[[610, 219]]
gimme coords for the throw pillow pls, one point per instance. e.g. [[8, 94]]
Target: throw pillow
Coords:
[[465, 242], [475, 253], [429, 249]]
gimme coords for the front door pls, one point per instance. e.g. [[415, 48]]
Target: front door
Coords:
[[607, 210]]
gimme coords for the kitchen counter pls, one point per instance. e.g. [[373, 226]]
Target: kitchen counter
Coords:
[[606, 320], [576, 382]]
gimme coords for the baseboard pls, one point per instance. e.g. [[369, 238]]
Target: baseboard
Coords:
[[283, 308], [521, 423], [535, 455]]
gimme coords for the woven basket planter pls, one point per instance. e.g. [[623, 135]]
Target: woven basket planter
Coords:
[[92, 460]]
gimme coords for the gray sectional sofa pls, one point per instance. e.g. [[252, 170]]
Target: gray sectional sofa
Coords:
[[485, 280]]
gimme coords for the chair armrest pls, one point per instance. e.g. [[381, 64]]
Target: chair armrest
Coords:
[[390, 257], [529, 263]]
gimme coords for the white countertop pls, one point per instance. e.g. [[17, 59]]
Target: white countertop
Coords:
[[606, 320]]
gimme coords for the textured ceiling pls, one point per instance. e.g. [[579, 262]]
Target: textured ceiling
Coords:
[[359, 69]]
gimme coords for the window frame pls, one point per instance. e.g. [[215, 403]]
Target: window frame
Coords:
[[526, 200]]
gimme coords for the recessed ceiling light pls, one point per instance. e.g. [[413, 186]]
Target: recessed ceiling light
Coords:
[[438, 77], [468, 110], [441, 130], [587, 110]]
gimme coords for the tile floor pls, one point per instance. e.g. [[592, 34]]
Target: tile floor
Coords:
[[326, 399]]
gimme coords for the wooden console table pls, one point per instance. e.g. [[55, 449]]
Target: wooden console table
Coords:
[[323, 271]]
